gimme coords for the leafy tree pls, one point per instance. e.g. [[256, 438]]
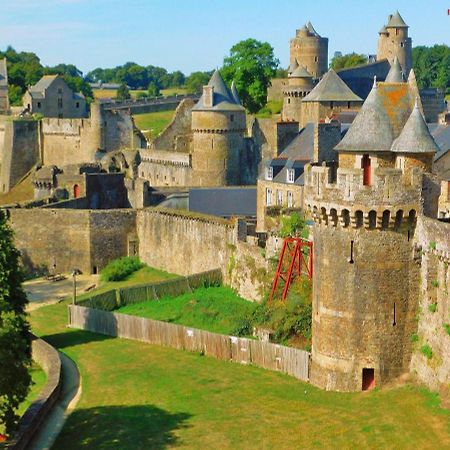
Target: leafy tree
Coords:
[[251, 64], [349, 60], [153, 90], [15, 339], [196, 80], [123, 93], [432, 66]]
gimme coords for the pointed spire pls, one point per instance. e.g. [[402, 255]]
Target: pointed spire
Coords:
[[395, 74], [300, 72], [311, 29], [396, 21], [293, 66], [371, 130], [234, 93], [415, 136]]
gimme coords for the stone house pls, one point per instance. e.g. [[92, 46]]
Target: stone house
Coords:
[[51, 97]]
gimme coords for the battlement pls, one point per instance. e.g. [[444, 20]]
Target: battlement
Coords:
[[167, 158], [67, 127], [339, 197]]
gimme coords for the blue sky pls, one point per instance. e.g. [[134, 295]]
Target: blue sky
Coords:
[[196, 34]]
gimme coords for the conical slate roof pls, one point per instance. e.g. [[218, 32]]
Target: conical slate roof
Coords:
[[415, 136], [331, 89], [371, 130], [311, 29], [300, 72], [395, 74], [383, 30], [293, 66], [234, 93], [396, 21], [223, 99]]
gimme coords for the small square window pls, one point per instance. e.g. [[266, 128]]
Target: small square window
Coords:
[[269, 173], [77, 104], [39, 104]]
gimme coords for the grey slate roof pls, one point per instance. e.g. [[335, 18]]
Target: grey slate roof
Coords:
[[441, 135], [300, 72], [331, 89], [383, 30], [302, 146], [293, 66], [311, 29], [43, 84], [396, 21], [3, 73], [371, 130], [395, 74], [235, 93], [415, 136], [223, 99]]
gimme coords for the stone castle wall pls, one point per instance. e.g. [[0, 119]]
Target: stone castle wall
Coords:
[[19, 151], [396, 43], [432, 241]]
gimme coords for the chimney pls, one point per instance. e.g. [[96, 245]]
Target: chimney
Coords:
[[208, 96]]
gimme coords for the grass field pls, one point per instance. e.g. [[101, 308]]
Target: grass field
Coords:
[[39, 378], [112, 93], [216, 309], [19, 193], [141, 396], [273, 107], [152, 124], [142, 276], [174, 91]]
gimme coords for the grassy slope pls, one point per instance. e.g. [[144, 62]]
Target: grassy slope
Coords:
[[39, 378], [273, 107], [215, 309], [142, 396], [142, 276], [153, 123], [174, 91], [19, 193], [111, 93]]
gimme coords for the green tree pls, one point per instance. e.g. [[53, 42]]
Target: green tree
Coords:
[[349, 60], [15, 339], [196, 80], [251, 64], [153, 90], [123, 93], [432, 66]]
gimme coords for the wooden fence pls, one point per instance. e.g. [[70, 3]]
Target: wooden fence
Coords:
[[270, 356]]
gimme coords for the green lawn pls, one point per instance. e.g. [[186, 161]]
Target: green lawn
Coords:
[[39, 378], [142, 276], [216, 309], [174, 91], [152, 124], [273, 107], [142, 396]]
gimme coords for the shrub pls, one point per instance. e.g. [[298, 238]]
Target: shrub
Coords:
[[435, 283], [432, 245], [293, 225], [426, 351], [432, 307], [447, 328], [121, 268], [414, 337]]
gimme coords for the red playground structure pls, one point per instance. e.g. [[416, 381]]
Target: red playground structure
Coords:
[[296, 258]]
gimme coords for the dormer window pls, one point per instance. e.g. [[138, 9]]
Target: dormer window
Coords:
[[269, 173], [290, 175]]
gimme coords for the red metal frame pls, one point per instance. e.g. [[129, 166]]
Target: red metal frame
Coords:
[[299, 262]]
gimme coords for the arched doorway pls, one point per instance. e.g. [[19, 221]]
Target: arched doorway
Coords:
[[76, 191]]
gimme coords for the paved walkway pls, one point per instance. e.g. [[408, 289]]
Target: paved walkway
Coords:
[[42, 292], [70, 394]]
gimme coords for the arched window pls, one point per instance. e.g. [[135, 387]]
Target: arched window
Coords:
[[333, 217], [372, 220], [385, 219], [359, 219], [398, 219]]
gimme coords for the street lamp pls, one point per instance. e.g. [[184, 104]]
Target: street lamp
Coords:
[[75, 272]]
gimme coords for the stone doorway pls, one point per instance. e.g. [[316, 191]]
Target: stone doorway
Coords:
[[368, 379]]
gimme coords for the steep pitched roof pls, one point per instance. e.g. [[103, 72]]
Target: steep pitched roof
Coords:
[[415, 136], [300, 72], [371, 130], [293, 66], [395, 74], [223, 98], [43, 83], [3, 73], [331, 89], [396, 21], [235, 93], [311, 29]]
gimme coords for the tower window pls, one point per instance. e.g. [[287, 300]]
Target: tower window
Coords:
[[351, 260], [38, 104], [77, 104], [394, 322], [331, 105], [396, 31], [367, 170], [289, 101], [232, 118], [402, 44], [316, 58], [348, 105], [269, 173]]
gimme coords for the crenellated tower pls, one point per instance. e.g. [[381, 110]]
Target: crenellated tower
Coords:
[[394, 42], [365, 291], [218, 126]]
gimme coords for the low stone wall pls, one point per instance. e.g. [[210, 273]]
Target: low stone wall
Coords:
[[432, 240], [47, 357], [270, 356]]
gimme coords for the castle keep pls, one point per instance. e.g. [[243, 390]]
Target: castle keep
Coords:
[[365, 288]]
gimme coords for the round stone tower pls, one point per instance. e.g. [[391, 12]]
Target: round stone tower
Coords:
[[365, 294], [218, 126], [300, 84], [394, 42], [310, 49]]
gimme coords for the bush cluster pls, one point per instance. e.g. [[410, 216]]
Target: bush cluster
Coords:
[[121, 268], [427, 351]]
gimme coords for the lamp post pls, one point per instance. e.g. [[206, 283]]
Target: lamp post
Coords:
[[75, 272]]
